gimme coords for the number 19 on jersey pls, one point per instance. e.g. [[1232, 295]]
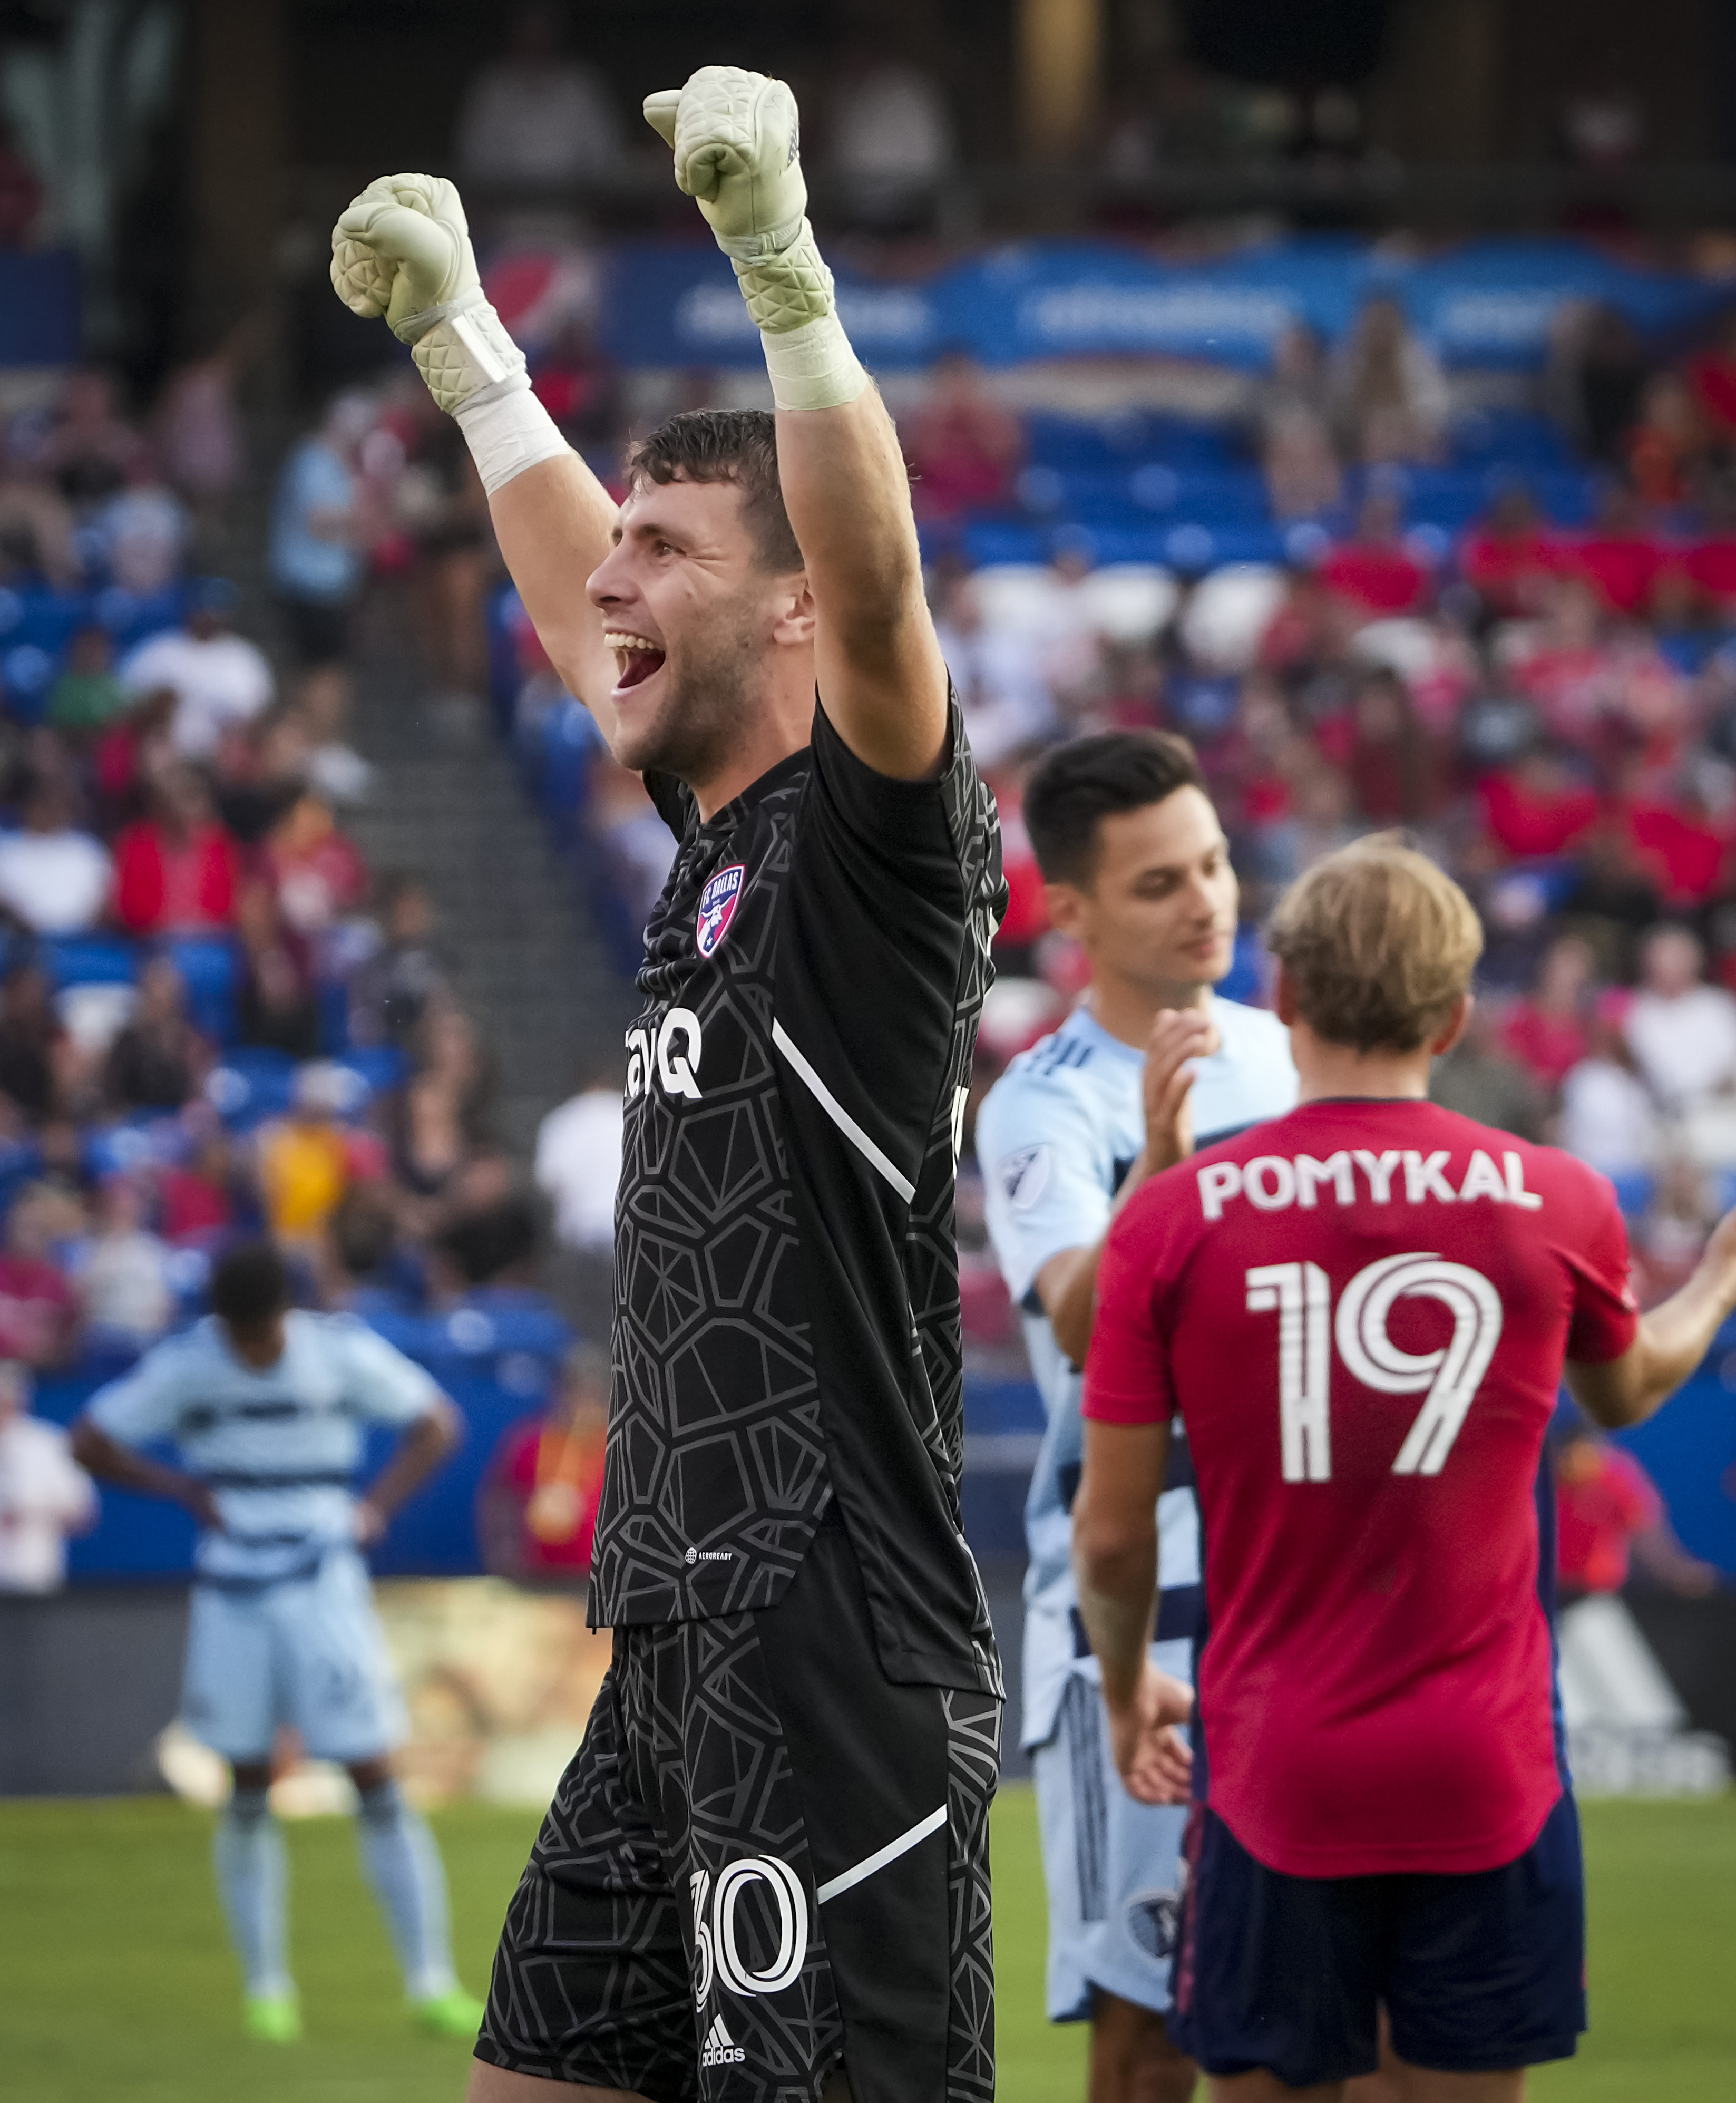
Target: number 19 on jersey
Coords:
[[1301, 1296]]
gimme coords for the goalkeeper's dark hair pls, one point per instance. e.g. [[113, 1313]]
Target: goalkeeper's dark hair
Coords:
[[1079, 784], [727, 445], [249, 1284]]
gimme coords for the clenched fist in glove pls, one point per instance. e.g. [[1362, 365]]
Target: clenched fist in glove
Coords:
[[737, 143], [736, 139], [402, 251]]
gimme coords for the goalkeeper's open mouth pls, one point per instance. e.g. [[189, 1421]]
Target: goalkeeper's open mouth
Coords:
[[637, 659]]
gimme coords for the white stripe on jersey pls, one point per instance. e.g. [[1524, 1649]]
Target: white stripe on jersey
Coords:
[[839, 1115]]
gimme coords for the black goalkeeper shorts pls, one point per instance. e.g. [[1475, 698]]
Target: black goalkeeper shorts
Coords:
[[764, 1860]]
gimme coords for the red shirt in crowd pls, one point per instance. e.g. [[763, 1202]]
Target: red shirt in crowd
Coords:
[[1712, 376], [37, 1309], [1508, 569], [1359, 1312], [1622, 568], [1603, 1498], [1376, 575], [1529, 822], [1710, 568], [556, 1477], [1027, 917], [1549, 1044], [192, 1205], [1685, 856], [163, 887]]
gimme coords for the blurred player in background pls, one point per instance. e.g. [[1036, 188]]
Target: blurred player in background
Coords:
[[779, 1549], [1363, 1311], [1139, 873], [266, 1404], [44, 1494]]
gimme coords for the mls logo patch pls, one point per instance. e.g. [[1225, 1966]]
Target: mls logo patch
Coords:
[[717, 904], [1024, 1176]]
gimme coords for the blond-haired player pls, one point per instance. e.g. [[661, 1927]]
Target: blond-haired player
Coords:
[[1362, 1312]]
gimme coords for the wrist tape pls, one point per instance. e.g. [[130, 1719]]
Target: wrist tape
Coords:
[[788, 291], [508, 430]]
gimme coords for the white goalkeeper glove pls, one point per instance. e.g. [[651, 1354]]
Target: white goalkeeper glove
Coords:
[[737, 138], [402, 251]]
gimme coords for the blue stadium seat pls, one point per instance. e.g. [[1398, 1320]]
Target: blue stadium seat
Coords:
[[334, 1018], [1634, 1190], [504, 610], [27, 675], [382, 1067], [999, 1405], [207, 965], [136, 1143], [253, 1082], [1105, 444], [90, 959], [570, 744], [1511, 437], [130, 617], [989, 541]]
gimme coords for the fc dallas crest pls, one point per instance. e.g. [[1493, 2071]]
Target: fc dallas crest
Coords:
[[717, 904]]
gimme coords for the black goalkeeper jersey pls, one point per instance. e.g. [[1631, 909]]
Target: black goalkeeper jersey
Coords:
[[787, 1319]]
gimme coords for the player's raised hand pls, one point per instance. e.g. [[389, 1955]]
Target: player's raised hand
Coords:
[[1151, 1754], [737, 143], [1179, 1037], [401, 249]]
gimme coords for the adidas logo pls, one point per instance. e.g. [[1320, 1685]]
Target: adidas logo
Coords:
[[720, 2048]]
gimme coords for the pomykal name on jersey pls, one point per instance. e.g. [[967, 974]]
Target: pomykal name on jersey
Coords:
[[669, 1055]]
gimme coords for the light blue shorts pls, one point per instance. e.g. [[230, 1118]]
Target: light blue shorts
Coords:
[[305, 1651], [1113, 1866]]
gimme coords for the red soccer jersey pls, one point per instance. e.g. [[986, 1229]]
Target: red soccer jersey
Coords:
[[1361, 1311]]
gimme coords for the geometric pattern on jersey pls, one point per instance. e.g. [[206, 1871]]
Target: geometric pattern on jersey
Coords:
[[703, 1916], [786, 1318], [715, 1448]]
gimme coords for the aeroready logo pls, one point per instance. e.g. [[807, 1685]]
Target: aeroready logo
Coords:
[[720, 2048], [717, 904]]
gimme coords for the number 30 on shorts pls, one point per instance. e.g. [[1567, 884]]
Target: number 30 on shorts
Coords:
[[717, 1949], [1301, 1294]]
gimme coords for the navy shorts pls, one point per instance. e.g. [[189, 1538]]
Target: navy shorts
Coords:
[[1477, 1973]]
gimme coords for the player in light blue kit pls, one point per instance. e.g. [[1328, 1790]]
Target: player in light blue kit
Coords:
[[1138, 872], [267, 1407]]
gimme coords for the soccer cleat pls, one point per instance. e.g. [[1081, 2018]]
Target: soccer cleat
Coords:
[[273, 2018], [455, 2014]]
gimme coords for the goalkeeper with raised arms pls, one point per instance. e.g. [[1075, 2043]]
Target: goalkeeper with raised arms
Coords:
[[765, 1873]]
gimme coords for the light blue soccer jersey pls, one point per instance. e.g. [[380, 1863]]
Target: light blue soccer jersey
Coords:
[[1055, 1136], [278, 1448]]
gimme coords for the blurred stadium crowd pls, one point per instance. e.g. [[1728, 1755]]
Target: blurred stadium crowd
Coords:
[[214, 1017], [1371, 597]]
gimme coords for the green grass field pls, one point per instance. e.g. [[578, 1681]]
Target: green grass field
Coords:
[[115, 1982]]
